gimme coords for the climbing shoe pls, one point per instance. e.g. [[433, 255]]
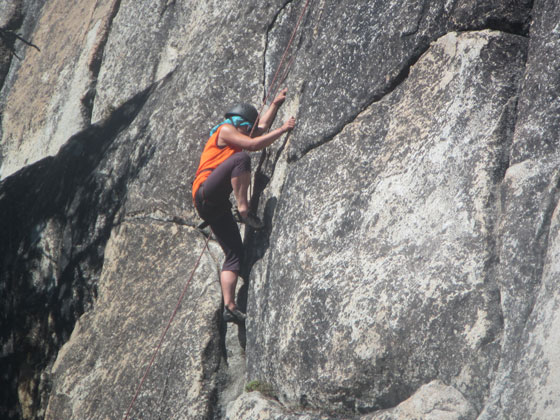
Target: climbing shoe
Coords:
[[250, 220], [234, 315]]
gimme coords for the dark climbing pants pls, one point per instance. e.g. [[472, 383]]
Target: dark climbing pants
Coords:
[[213, 206]]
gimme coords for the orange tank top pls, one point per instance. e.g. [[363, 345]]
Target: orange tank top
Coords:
[[212, 156]]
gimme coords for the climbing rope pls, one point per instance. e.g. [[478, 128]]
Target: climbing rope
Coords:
[[156, 351], [285, 72], [292, 37], [272, 92], [267, 96]]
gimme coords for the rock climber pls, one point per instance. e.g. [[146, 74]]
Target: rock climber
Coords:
[[225, 167]]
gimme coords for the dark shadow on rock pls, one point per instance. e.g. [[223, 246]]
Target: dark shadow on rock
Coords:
[[63, 200], [242, 335], [257, 242], [223, 328]]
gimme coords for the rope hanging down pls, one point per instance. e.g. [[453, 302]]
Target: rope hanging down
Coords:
[[156, 351], [268, 95], [270, 92]]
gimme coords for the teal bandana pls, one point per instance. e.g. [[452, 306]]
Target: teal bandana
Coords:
[[236, 121]]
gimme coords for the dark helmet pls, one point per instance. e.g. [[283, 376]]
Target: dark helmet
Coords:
[[247, 111]]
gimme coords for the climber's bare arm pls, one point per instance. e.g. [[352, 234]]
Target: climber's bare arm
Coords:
[[266, 120], [229, 135]]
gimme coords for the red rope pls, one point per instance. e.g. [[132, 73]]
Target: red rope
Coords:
[[268, 95], [286, 51], [165, 331], [284, 75]]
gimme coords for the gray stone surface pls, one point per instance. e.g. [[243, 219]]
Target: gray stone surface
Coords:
[[408, 267], [10, 20], [254, 405], [382, 276], [433, 401], [528, 235], [55, 218], [213, 45], [111, 346], [54, 86], [359, 51]]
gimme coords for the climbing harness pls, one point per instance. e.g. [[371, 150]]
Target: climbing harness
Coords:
[[272, 91]]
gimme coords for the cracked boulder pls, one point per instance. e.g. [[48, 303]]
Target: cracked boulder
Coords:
[[382, 273]]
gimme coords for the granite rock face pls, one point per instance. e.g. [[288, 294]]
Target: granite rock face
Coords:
[[432, 401], [391, 275], [528, 234], [88, 363], [408, 267], [53, 88]]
